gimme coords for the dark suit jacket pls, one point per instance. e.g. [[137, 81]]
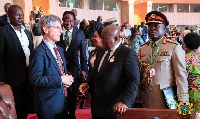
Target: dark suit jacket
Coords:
[[77, 43], [3, 20], [45, 76], [12, 57], [118, 81]]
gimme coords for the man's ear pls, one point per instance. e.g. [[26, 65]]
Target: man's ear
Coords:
[[45, 29]]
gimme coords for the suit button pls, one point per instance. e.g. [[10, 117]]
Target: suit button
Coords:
[[151, 89]]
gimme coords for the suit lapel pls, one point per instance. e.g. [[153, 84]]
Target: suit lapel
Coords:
[[99, 55], [15, 37], [50, 55], [62, 41], [112, 60], [31, 46], [74, 37]]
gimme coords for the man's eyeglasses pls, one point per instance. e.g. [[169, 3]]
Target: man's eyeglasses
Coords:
[[57, 27]]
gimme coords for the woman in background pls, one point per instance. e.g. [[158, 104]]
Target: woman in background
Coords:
[[191, 44], [135, 40], [97, 42]]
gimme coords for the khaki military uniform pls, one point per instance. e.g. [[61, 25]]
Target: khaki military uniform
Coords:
[[170, 70]]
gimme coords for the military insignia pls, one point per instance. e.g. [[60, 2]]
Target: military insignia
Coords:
[[112, 59], [153, 16], [164, 40], [164, 53], [142, 55]]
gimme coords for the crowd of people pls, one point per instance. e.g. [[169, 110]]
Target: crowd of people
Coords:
[[129, 67]]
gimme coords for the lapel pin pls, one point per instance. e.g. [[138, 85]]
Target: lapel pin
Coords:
[[112, 59]]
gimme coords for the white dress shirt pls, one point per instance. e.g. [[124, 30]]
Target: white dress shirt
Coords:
[[111, 54], [24, 42]]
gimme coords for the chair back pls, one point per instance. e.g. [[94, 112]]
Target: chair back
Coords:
[[7, 104]]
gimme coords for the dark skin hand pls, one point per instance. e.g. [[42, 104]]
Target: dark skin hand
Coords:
[[83, 75]]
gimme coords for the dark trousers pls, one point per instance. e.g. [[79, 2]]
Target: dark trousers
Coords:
[[71, 103], [23, 100], [23, 97], [94, 116], [61, 115], [98, 117], [71, 110]]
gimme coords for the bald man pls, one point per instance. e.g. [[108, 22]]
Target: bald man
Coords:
[[115, 79]]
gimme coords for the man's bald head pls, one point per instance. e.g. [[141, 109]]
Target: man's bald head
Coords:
[[110, 36], [74, 11]]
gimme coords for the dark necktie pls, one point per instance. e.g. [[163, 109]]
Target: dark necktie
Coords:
[[66, 40], [67, 35], [105, 60], [60, 64]]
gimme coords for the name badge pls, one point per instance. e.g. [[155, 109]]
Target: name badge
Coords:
[[152, 72]]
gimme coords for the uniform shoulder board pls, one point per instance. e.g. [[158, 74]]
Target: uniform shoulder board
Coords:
[[147, 43], [172, 41]]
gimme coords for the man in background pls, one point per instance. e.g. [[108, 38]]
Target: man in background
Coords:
[[16, 44], [72, 40], [4, 20], [76, 22]]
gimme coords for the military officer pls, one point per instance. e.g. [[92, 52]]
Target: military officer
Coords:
[[162, 64]]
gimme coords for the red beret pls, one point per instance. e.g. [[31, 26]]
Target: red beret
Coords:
[[156, 17]]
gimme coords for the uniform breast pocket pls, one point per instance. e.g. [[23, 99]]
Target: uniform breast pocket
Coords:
[[163, 62]]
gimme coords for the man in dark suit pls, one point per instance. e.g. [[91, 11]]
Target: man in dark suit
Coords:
[[48, 71], [73, 41], [4, 19], [115, 78], [16, 44]]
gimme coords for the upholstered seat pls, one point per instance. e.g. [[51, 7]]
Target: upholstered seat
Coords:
[[7, 105]]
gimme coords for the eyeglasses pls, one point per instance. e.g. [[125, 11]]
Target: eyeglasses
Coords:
[[57, 27]]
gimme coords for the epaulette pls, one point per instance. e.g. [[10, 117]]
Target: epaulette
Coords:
[[172, 41], [147, 43]]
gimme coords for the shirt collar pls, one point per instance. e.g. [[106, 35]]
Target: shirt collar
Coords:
[[64, 30], [22, 27], [116, 46], [49, 45]]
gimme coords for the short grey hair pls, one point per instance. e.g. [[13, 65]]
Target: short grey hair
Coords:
[[47, 21]]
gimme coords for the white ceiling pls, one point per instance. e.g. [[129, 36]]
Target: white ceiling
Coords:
[[166, 1]]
